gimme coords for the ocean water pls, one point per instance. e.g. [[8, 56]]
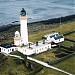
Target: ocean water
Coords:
[[37, 10]]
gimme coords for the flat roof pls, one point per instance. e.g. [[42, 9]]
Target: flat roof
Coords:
[[40, 44], [7, 45], [51, 34]]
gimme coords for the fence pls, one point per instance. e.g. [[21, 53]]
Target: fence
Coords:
[[60, 59], [68, 33], [69, 40]]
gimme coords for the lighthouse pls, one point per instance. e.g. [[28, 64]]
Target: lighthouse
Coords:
[[23, 27]]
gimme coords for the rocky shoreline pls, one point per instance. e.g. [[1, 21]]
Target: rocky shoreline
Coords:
[[49, 22]]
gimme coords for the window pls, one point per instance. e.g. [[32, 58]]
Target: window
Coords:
[[16, 35], [4, 49], [12, 49], [45, 47], [57, 35], [0, 49], [16, 49]]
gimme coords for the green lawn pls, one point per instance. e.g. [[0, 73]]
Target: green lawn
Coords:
[[71, 36], [67, 65], [12, 67], [46, 56], [48, 71], [67, 43]]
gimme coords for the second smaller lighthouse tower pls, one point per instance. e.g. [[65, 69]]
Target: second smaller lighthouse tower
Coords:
[[23, 27]]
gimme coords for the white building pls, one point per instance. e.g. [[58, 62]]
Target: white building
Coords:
[[54, 37], [7, 48], [36, 48], [17, 39], [22, 45]]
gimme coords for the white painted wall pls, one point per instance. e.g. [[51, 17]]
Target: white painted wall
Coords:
[[42, 48], [58, 40], [24, 30], [26, 51], [34, 50], [17, 42], [8, 50]]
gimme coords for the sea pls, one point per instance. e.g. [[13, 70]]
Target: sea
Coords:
[[36, 10]]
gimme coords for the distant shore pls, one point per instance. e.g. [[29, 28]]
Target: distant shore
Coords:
[[46, 22]]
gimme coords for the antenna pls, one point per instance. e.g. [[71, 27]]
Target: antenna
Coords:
[[60, 22]]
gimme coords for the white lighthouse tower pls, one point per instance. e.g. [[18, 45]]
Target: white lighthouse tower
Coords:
[[23, 27]]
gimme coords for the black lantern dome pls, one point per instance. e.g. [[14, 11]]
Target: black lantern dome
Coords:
[[23, 12]]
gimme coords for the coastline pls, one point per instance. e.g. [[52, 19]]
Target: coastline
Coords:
[[7, 32], [45, 22]]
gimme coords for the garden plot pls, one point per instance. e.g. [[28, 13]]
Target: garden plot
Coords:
[[67, 43]]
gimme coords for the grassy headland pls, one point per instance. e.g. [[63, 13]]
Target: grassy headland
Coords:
[[36, 31], [12, 66], [67, 65]]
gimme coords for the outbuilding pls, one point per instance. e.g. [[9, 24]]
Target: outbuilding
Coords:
[[7, 48]]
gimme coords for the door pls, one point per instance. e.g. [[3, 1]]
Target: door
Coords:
[[0, 49]]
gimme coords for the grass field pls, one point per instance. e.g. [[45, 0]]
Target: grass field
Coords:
[[12, 67], [67, 65], [71, 36], [67, 43]]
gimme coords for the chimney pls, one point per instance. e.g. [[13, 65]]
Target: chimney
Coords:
[[44, 38], [44, 41], [29, 45], [36, 43]]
